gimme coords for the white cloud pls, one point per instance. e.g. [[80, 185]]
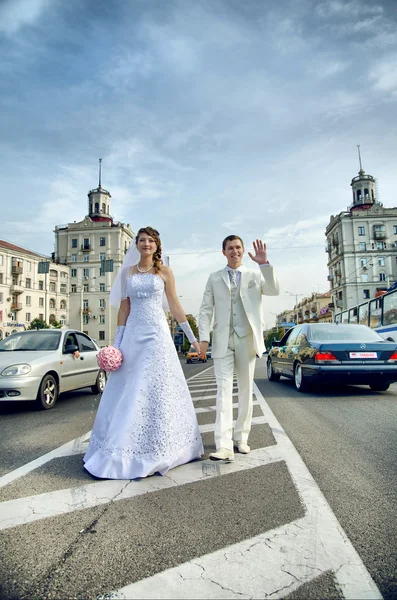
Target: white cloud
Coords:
[[383, 75], [340, 8], [15, 14]]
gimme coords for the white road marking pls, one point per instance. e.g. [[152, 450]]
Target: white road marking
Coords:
[[275, 563], [270, 565], [50, 504]]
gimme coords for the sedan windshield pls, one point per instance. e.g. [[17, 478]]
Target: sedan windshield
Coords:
[[31, 341], [341, 333]]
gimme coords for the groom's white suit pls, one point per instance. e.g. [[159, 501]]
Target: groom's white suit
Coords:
[[234, 301]]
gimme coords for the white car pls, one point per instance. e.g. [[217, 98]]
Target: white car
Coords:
[[40, 364]]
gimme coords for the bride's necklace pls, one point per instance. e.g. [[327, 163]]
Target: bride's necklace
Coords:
[[145, 270]]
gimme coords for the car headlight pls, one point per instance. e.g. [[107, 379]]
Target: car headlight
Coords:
[[16, 370]]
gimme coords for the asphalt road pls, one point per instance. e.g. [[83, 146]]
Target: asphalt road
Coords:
[[345, 436]]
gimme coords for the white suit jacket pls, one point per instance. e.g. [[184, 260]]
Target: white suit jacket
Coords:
[[217, 303]]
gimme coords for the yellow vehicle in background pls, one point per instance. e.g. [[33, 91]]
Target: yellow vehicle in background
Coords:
[[193, 356]]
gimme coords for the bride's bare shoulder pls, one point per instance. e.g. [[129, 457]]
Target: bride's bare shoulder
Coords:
[[165, 271]]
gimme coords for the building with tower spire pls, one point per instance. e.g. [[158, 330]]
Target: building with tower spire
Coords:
[[361, 246], [94, 249]]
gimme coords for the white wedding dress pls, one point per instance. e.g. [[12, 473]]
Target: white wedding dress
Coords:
[[146, 421]]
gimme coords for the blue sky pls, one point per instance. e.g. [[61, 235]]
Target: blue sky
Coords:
[[211, 116]]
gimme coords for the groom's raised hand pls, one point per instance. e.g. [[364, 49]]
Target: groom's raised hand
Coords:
[[260, 253]]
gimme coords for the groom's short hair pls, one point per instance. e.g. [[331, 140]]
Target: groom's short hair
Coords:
[[230, 238]]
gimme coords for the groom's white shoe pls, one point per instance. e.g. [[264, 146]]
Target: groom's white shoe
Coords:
[[242, 447], [222, 454]]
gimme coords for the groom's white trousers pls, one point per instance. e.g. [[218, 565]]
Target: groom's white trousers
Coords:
[[240, 356]]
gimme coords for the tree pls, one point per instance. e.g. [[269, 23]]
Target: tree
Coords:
[[273, 334], [56, 325], [38, 324]]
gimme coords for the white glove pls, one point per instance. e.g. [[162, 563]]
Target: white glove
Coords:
[[187, 330], [119, 336]]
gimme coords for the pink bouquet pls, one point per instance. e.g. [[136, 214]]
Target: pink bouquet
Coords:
[[109, 358]]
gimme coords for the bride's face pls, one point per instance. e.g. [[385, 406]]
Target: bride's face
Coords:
[[146, 245]]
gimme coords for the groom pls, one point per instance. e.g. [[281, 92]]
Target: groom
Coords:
[[233, 296]]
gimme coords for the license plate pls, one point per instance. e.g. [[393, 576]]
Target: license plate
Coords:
[[363, 354]]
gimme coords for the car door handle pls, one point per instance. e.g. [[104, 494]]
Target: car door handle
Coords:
[[81, 357]]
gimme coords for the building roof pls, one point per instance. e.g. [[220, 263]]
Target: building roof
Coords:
[[14, 248]]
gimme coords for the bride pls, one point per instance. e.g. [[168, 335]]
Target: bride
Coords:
[[146, 421]]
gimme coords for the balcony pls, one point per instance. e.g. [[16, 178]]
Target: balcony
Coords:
[[330, 277], [86, 310], [16, 306], [16, 289], [379, 235], [86, 247], [16, 270]]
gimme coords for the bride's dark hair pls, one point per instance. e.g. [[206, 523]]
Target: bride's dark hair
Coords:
[[156, 236]]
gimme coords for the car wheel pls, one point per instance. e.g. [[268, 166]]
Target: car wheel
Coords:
[[379, 387], [271, 375], [48, 393], [188, 362], [100, 383], [300, 379]]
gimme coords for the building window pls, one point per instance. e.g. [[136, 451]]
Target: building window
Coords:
[[86, 287], [74, 257], [102, 256], [102, 285], [41, 285], [74, 288], [395, 229], [28, 300], [85, 304], [74, 242], [363, 246], [363, 262], [52, 319], [28, 283], [101, 335], [1, 260], [41, 316], [382, 276], [1, 278], [381, 261], [62, 320], [1, 296], [102, 303], [28, 319], [364, 277], [52, 303], [366, 294], [86, 244], [41, 301], [102, 319], [86, 272], [52, 287], [85, 319], [62, 305], [380, 245], [28, 265], [64, 275], [74, 273], [102, 241], [361, 230], [63, 288], [86, 258]]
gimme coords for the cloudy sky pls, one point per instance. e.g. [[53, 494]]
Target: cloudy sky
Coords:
[[212, 117]]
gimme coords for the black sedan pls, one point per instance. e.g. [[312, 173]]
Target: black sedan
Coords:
[[333, 353]]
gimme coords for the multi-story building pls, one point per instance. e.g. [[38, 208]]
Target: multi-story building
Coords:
[[361, 247], [31, 286], [94, 249], [313, 309]]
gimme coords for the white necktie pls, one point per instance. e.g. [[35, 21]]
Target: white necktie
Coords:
[[233, 277]]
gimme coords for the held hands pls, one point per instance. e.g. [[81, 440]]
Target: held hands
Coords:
[[203, 347], [260, 253], [196, 345]]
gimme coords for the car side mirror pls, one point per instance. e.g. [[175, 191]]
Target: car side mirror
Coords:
[[276, 343], [70, 349]]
